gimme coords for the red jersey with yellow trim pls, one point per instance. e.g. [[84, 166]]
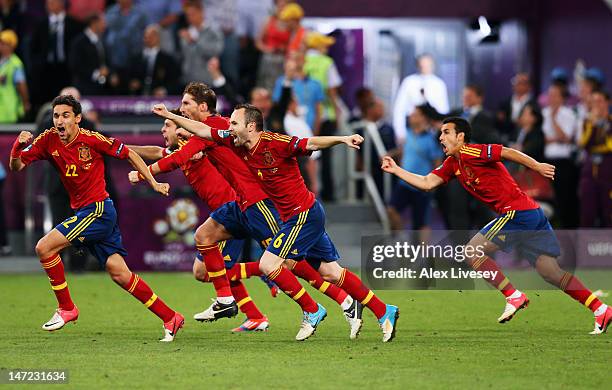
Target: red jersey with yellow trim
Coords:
[[481, 173], [230, 166], [206, 181], [272, 161], [80, 162]]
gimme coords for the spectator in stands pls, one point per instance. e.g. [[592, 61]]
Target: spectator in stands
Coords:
[[90, 72], [560, 131], [596, 176], [273, 112], [416, 89], [223, 14], [199, 43], [126, 24], [592, 80], [14, 99], [363, 96], [309, 92], [11, 17], [222, 86], [49, 51], [530, 138], [510, 109], [81, 10], [321, 67], [421, 153], [164, 13], [272, 41], [252, 16], [292, 15], [481, 120], [153, 72]]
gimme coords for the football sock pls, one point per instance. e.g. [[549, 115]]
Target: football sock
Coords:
[[141, 291], [287, 282], [305, 271], [500, 281], [215, 266], [573, 287], [244, 301], [243, 271], [351, 283], [54, 268]]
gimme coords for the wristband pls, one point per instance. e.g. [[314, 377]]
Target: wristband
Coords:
[[17, 148]]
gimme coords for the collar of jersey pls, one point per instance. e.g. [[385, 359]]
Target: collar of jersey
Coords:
[[254, 148], [71, 142]]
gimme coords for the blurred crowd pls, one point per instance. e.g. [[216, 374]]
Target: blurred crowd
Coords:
[[259, 51]]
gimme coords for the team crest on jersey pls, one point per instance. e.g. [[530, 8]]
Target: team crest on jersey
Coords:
[[84, 153], [268, 158]]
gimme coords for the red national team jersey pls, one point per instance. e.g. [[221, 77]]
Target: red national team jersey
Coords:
[[206, 181], [80, 163], [231, 167], [481, 173], [272, 161]]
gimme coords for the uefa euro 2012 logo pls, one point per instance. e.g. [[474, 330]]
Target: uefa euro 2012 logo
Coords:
[[181, 218]]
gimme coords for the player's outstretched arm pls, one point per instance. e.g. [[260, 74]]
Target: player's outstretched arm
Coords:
[[324, 142], [423, 183], [148, 152], [141, 167], [546, 170], [23, 139], [194, 127]]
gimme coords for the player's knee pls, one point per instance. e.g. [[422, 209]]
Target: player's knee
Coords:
[[266, 267], [122, 278], [330, 273], [43, 249], [199, 272], [205, 235]]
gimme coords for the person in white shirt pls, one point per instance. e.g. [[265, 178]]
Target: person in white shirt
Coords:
[[560, 127], [416, 89]]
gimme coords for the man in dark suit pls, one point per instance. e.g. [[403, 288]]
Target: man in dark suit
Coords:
[[510, 109], [153, 72], [50, 54], [88, 59]]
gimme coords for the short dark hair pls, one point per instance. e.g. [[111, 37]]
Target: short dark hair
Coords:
[[537, 113], [562, 88], [603, 93], [68, 100], [461, 126], [92, 18], [251, 114], [476, 88], [202, 93]]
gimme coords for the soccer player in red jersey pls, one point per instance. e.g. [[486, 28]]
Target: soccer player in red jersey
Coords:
[[78, 155], [214, 191], [521, 223], [271, 158], [256, 216]]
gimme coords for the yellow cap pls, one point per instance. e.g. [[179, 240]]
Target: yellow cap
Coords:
[[317, 40], [291, 11], [9, 37]]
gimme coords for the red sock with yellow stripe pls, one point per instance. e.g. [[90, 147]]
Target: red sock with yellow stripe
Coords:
[[287, 282], [244, 301], [141, 291], [573, 287], [305, 271], [244, 271], [351, 283], [500, 281], [215, 266], [54, 268]]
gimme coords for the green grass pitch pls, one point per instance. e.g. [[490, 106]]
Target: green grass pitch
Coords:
[[445, 339]]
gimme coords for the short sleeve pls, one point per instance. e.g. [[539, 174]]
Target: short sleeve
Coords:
[[319, 95], [109, 146], [180, 157], [37, 150], [481, 153], [446, 171], [297, 147], [222, 137]]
